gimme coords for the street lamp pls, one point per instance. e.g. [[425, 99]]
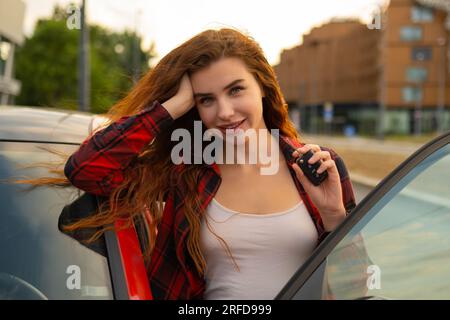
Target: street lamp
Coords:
[[418, 110], [418, 99], [300, 106], [382, 82], [83, 63], [442, 42], [313, 72]]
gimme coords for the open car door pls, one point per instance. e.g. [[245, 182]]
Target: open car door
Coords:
[[403, 228]]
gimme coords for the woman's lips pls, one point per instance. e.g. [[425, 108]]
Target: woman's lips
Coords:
[[225, 128]]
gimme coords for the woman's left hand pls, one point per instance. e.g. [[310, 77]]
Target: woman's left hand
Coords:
[[327, 196]]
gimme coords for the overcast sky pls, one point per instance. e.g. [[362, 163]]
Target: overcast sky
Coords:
[[276, 25]]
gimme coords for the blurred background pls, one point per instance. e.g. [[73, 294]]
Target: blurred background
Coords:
[[374, 68]]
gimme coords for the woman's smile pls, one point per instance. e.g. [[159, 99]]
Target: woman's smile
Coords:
[[232, 126]]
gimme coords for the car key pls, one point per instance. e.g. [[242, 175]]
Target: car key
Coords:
[[310, 170]]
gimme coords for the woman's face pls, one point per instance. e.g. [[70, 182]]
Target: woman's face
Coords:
[[227, 95]]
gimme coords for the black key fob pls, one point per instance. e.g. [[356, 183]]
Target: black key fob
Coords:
[[310, 170]]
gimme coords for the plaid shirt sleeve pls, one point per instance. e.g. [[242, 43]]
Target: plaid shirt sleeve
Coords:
[[97, 166]]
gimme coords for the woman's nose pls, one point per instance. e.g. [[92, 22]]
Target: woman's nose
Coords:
[[226, 110]]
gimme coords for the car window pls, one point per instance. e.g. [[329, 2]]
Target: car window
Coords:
[[35, 256], [405, 237]]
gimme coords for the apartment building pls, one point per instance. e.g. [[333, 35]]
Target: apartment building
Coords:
[[344, 73], [414, 56]]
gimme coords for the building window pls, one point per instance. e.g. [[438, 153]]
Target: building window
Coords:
[[422, 14], [421, 53], [416, 74], [411, 33], [412, 94]]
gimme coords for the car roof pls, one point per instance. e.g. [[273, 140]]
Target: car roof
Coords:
[[46, 124]]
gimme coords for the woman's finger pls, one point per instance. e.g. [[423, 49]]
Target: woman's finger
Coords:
[[305, 148], [329, 164], [321, 155], [301, 176]]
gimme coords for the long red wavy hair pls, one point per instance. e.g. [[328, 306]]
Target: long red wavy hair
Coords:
[[152, 174]]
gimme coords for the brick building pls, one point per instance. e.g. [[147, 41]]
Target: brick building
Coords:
[[399, 71]]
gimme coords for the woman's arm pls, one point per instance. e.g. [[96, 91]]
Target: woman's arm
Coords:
[[348, 196], [97, 166], [334, 197]]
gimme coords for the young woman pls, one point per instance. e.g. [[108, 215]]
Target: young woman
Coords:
[[219, 230]]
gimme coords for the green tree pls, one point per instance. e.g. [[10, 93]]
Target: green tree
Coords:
[[47, 64]]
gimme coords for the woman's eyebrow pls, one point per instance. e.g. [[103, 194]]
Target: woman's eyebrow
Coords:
[[210, 94]]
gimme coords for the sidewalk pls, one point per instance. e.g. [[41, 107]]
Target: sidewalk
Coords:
[[368, 160]]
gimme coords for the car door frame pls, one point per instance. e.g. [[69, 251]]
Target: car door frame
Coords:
[[125, 260], [298, 280], [123, 253]]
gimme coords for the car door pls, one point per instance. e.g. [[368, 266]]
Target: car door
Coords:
[[395, 244]]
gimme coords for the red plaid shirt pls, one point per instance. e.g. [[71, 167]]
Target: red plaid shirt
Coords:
[[97, 167]]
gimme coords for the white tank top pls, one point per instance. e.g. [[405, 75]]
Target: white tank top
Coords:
[[268, 249]]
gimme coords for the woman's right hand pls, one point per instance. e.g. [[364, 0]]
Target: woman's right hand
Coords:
[[182, 101]]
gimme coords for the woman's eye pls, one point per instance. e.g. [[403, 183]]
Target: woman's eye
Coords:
[[208, 100], [204, 100], [236, 89]]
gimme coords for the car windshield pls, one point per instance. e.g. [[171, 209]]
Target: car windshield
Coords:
[[37, 261]]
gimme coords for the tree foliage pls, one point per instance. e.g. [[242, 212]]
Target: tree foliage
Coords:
[[47, 64]]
